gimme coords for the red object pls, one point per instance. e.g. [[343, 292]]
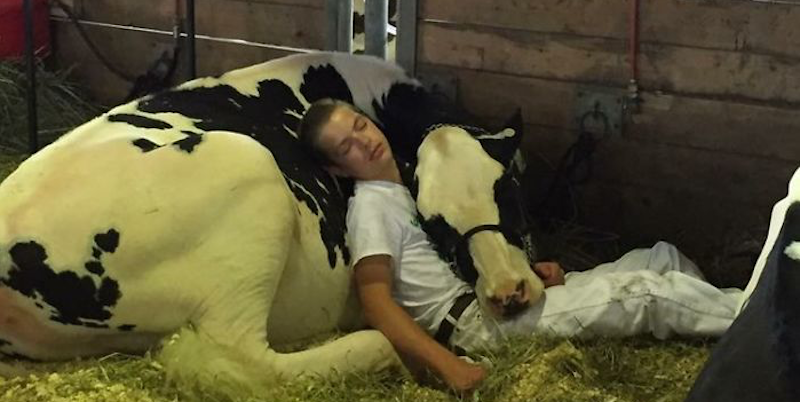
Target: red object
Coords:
[[12, 29], [633, 39]]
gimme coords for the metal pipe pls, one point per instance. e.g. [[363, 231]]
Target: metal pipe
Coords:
[[782, 2], [30, 61], [203, 37], [332, 24], [344, 36], [376, 14], [190, 34]]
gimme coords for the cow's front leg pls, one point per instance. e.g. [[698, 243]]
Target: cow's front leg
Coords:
[[360, 351], [252, 367]]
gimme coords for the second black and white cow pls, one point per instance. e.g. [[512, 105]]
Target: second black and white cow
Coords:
[[195, 215], [758, 358]]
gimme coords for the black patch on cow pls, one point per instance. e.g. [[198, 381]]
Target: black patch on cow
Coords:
[[359, 20], [95, 267], [145, 145], [139, 121], [359, 26], [126, 327], [408, 176], [18, 356], [758, 358], [91, 324], [189, 143], [446, 241], [407, 111], [75, 298], [5, 345], [96, 252], [268, 118], [325, 82], [108, 241]]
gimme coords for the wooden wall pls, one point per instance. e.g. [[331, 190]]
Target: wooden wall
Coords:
[[714, 144], [291, 23], [718, 135]]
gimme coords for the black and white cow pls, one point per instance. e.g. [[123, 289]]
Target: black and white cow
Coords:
[[195, 211], [758, 358]]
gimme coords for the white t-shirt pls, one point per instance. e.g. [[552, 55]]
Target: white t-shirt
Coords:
[[382, 219]]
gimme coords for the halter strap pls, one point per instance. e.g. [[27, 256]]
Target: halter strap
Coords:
[[469, 273], [478, 229]]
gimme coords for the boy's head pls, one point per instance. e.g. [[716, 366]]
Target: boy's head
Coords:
[[345, 141]]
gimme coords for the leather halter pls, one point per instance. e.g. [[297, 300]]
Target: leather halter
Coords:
[[468, 271], [477, 229]]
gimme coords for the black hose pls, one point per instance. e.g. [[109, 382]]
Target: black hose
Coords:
[[71, 15]]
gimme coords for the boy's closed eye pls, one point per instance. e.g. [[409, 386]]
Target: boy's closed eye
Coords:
[[360, 123], [344, 147]]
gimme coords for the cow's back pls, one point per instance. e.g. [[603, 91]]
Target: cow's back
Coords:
[[193, 200]]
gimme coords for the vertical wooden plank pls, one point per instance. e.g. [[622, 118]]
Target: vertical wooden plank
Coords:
[[407, 35]]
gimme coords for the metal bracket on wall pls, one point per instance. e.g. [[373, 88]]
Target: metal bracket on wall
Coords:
[[599, 110], [442, 83]]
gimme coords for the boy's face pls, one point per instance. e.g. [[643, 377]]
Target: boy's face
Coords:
[[357, 148]]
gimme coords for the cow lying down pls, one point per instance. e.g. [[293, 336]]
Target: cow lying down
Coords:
[[194, 216]]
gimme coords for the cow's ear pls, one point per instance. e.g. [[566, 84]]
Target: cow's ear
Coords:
[[504, 144]]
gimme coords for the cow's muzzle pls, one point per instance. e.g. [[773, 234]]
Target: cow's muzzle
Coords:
[[511, 304]]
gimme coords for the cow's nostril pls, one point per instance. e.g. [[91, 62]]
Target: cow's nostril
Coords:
[[514, 307]]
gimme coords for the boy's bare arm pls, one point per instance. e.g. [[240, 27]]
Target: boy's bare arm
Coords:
[[373, 277]]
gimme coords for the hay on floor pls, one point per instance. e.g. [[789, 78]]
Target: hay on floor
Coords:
[[524, 370], [61, 106]]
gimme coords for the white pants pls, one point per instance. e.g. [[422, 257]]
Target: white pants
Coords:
[[656, 290]]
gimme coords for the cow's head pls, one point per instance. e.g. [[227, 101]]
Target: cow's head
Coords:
[[471, 207]]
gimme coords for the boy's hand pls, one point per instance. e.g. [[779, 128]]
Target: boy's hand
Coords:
[[550, 273], [463, 377]]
